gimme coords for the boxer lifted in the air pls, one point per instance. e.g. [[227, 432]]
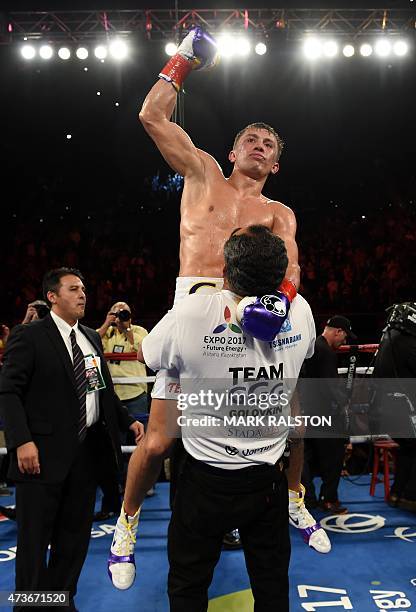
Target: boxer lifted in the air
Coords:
[[212, 207]]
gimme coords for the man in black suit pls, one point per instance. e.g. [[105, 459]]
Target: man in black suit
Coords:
[[62, 418]]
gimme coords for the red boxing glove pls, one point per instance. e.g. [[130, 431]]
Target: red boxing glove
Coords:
[[197, 50], [288, 288]]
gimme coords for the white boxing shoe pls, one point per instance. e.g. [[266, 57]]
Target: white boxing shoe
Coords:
[[300, 517], [121, 562]]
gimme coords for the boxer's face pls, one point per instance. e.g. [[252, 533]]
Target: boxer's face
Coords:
[[255, 153], [68, 302]]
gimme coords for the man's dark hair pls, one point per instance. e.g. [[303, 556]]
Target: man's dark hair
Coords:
[[52, 279], [262, 126], [255, 262]]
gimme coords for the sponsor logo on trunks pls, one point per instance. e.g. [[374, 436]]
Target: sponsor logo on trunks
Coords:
[[198, 286], [223, 326], [274, 304]]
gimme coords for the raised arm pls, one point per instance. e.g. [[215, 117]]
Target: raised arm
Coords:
[[171, 140], [197, 50], [285, 226]]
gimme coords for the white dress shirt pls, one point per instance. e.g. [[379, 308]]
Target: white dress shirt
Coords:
[[87, 348]]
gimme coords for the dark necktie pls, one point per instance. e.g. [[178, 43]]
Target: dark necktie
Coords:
[[81, 384]]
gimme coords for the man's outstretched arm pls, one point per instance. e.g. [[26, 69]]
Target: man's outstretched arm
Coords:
[[197, 50], [172, 141]]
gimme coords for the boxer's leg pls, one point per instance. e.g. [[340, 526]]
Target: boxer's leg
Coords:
[[144, 468], [299, 516], [147, 459]]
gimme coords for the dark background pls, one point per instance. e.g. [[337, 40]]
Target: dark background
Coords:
[[349, 131]]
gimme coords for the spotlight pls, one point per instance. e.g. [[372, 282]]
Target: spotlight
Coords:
[[260, 48], [312, 48], [330, 48], [383, 48], [118, 49], [28, 52], [226, 46], [242, 46], [100, 52], [366, 50], [64, 53], [81, 53], [348, 50], [46, 52], [171, 48], [400, 48]]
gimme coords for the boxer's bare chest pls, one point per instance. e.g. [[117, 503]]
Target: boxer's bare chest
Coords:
[[223, 208]]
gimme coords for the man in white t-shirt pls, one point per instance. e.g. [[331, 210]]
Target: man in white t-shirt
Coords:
[[233, 478]]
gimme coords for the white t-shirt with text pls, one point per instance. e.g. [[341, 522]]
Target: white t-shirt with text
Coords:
[[201, 339]]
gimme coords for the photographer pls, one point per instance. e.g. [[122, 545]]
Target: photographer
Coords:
[[36, 310], [396, 359], [119, 335]]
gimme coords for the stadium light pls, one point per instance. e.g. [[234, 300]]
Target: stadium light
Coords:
[[383, 47], [64, 53], [242, 47], [171, 48], [312, 48], [366, 50], [118, 49], [100, 52], [81, 53], [46, 52], [330, 48], [260, 48], [348, 51], [28, 52], [400, 48], [226, 46]]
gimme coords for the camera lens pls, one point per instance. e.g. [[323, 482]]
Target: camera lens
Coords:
[[123, 315], [42, 310]]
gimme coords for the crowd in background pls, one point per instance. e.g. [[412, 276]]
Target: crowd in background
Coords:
[[358, 265], [351, 263]]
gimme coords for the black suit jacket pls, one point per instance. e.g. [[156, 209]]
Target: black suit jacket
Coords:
[[324, 365], [39, 402]]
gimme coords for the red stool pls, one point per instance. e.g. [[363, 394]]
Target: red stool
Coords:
[[381, 450]]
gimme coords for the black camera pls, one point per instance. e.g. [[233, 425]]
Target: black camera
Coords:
[[42, 310], [123, 315]]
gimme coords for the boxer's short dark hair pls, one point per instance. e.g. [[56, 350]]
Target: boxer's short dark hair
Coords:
[[262, 126], [255, 262], [52, 279]]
